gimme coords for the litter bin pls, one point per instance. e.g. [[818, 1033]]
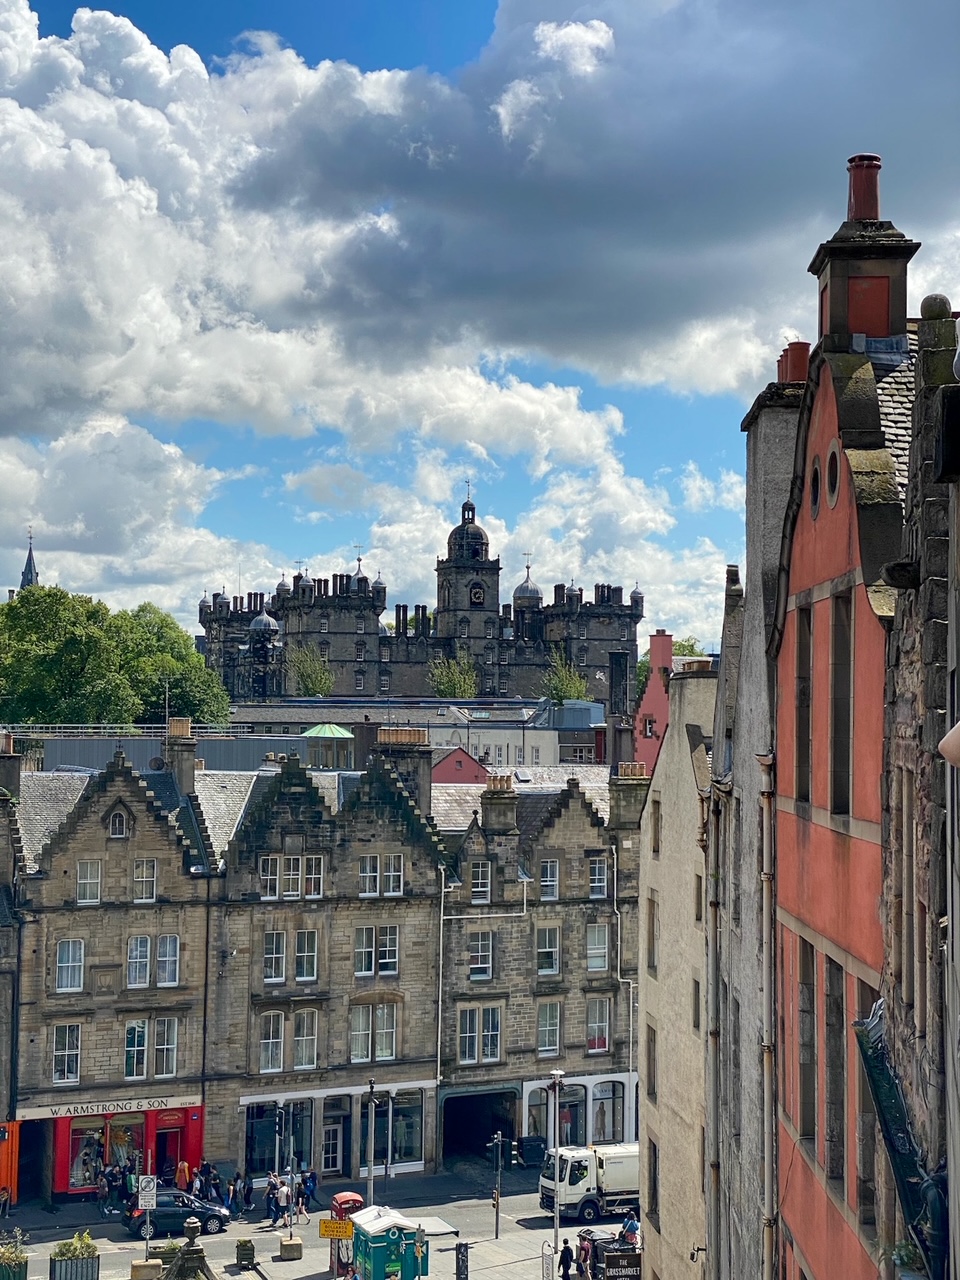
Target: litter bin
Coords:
[[532, 1150]]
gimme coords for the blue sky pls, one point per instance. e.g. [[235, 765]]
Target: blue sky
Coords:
[[274, 295]]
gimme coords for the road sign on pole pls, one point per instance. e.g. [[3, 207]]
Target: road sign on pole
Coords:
[[147, 1191]]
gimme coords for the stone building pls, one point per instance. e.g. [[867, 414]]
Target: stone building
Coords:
[[741, 1175], [219, 962], [249, 641], [672, 986]]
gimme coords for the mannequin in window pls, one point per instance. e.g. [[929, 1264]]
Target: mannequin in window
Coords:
[[949, 746]]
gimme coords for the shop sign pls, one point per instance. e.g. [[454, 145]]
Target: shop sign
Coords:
[[107, 1107], [623, 1266]]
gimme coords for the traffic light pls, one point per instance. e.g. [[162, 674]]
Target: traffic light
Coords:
[[280, 1121]]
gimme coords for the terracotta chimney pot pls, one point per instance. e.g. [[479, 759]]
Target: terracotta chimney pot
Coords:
[[863, 204]]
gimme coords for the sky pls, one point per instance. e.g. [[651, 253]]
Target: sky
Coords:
[[277, 280]]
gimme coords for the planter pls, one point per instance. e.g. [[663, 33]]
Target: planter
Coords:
[[13, 1270], [246, 1253], [74, 1268]]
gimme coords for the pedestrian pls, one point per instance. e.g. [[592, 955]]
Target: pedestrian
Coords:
[[247, 1191], [196, 1186], [583, 1257], [312, 1187], [270, 1197], [214, 1188], [236, 1201], [182, 1176], [103, 1196], [301, 1200], [228, 1198], [283, 1204], [630, 1227], [566, 1260]]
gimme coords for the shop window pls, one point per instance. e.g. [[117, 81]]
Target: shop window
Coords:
[[118, 825], [598, 1025], [313, 876], [607, 1101], [598, 877], [271, 1042], [306, 955], [573, 1106], [88, 881], [135, 1050], [548, 1028], [407, 1127], [549, 879], [480, 881], [168, 960], [270, 877], [548, 950], [274, 955], [70, 964], [138, 961], [481, 954], [145, 880], [86, 1153], [304, 1039], [165, 1047], [597, 948], [537, 1113], [66, 1053]]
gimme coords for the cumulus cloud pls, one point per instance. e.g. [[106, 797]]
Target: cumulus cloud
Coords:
[[729, 491], [578, 46]]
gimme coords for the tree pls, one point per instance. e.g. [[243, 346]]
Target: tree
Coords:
[[65, 659], [563, 681], [685, 647], [453, 677], [314, 677]]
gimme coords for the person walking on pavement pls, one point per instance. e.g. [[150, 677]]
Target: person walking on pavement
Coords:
[[566, 1260], [182, 1176], [247, 1192], [311, 1185], [283, 1204], [300, 1194], [630, 1227]]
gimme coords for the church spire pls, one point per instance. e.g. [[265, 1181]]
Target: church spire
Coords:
[[30, 577]]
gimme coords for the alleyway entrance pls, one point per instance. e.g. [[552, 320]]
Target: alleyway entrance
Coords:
[[471, 1119]]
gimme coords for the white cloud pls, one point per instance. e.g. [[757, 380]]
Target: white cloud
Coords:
[[729, 491], [579, 46]]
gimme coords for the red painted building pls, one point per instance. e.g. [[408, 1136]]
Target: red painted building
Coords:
[[453, 764], [843, 523], [653, 710]]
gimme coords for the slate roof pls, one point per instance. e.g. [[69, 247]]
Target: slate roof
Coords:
[[454, 802], [896, 392], [223, 797], [46, 800]]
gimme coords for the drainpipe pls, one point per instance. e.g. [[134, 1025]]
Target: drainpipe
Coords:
[[713, 1014], [438, 1128], [624, 982], [766, 877]]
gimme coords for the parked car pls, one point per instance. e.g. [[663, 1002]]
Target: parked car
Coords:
[[173, 1209]]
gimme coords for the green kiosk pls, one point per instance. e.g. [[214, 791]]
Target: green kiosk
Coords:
[[389, 1246]]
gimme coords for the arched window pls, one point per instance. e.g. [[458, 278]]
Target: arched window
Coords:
[[118, 824]]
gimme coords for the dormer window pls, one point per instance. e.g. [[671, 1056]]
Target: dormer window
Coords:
[[118, 825]]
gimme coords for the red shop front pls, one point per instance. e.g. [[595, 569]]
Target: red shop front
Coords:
[[156, 1139]]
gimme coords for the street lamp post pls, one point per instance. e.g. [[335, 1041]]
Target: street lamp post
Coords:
[[371, 1122], [556, 1078]]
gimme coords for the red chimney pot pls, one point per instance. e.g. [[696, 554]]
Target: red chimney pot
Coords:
[[863, 204], [797, 361]]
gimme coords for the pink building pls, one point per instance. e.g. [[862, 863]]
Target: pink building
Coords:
[[653, 713]]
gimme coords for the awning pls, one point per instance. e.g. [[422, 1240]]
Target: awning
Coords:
[[436, 1226]]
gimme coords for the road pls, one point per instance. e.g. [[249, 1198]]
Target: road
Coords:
[[463, 1202]]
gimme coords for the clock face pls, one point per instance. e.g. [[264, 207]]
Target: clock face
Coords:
[[476, 595]]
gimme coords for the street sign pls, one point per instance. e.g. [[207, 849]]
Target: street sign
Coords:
[[622, 1266], [147, 1191], [332, 1229]]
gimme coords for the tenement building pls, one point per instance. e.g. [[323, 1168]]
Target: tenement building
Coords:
[[219, 963], [249, 641]]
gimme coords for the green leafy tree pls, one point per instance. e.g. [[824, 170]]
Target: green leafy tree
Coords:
[[453, 677], [65, 659], [685, 647], [563, 681], [314, 677]]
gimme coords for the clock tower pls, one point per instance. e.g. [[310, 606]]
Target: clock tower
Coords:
[[468, 585]]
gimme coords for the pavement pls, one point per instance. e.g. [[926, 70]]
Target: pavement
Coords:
[[462, 1195]]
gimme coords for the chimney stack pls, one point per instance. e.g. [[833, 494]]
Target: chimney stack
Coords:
[[182, 749], [10, 765], [498, 806], [408, 751], [863, 204]]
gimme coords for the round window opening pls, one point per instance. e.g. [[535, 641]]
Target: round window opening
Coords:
[[833, 474], [815, 489]]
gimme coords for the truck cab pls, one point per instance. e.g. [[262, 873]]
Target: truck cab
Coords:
[[591, 1182]]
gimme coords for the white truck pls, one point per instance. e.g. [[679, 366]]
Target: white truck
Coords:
[[594, 1181]]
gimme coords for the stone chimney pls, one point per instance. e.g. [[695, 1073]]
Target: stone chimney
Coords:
[[408, 752], [628, 795], [862, 273], [498, 806], [182, 750], [10, 765]]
